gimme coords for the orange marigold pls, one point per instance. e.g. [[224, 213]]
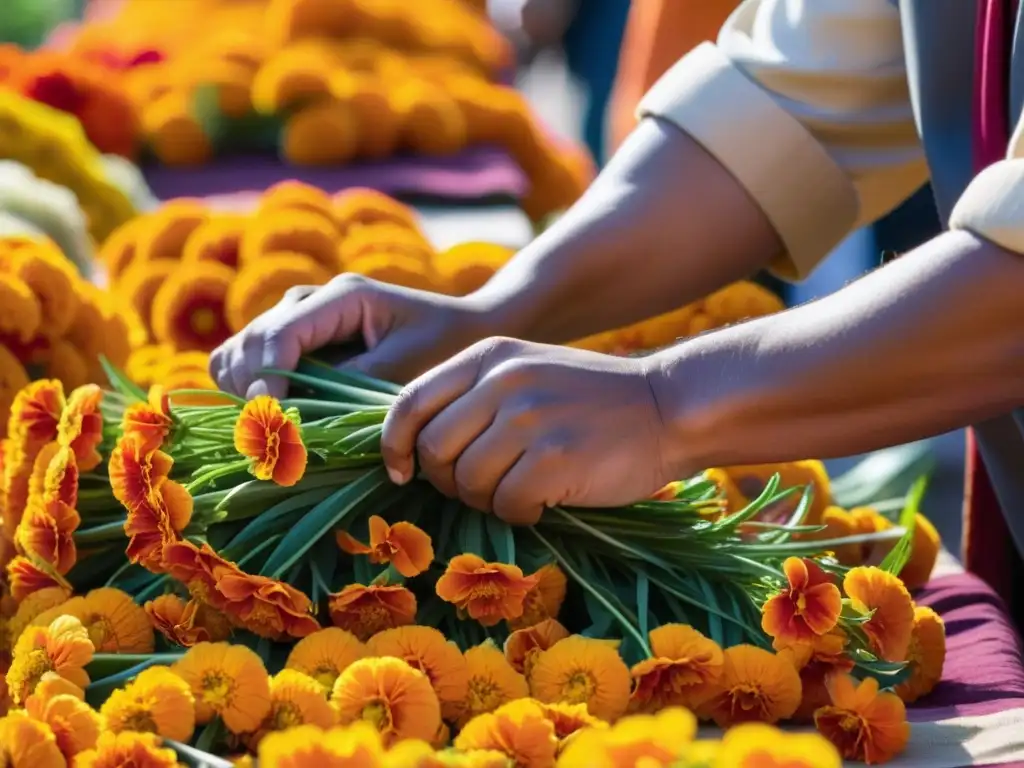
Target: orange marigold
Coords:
[[28, 743], [492, 681], [754, 745], [13, 378], [358, 744], [62, 647], [362, 206], [266, 607], [656, 740], [365, 610], [406, 546], [295, 699], [293, 195], [151, 421], [81, 426], [862, 722], [756, 686], [45, 269], [27, 578], [272, 439], [924, 551], [29, 607], [817, 660], [426, 649], [186, 624], [114, 622], [140, 283], [229, 681], [20, 311], [263, 283], [545, 599], [140, 750], [926, 655], [292, 231], [581, 670], [46, 533], [520, 729], [808, 607], [325, 654], [386, 692], [524, 645], [684, 669], [217, 239], [74, 724], [892, 621], [487, 592], [188, 309], [156, 701]]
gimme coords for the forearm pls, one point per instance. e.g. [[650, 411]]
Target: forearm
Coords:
[[929, 343], [663, 225]]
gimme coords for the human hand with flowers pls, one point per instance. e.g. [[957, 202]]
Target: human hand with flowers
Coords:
[[514, 427]]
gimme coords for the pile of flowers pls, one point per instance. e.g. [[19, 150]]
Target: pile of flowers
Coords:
[[248, 568], [53, 145], [53, 323]]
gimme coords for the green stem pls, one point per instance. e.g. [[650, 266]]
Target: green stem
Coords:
[[105, 532], [217, 472]]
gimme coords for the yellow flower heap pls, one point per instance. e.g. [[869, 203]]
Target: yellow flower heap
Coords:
[[242, 576]]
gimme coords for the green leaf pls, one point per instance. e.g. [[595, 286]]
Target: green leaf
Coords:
[[643, 594], [312, 367], [502, 539], [883, 474], [471, 533], [122, 383], [344, 392], [900, 554], [269, 519], [321, 519]]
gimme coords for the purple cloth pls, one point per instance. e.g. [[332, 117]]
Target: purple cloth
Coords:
[[476, 173]]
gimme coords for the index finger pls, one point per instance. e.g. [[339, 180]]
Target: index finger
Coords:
[[418, 403]]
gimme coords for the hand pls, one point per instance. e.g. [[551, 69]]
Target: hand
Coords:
[[513, 427], [405, 331]]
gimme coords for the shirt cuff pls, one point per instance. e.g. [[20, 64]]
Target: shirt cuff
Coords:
[[992, 206], [806, 196]]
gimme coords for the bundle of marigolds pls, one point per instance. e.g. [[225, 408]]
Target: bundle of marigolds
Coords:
[[247, 567], [53, 323]]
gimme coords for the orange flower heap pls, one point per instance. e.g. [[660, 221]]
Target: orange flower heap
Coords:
[[683, 671], [272, 439], [403, 544], [864, 723], [487, 592], [808, 607]]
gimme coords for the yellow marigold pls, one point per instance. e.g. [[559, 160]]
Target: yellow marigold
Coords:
[[358, 744], [756, 686], [13, 378], [683, 671], [263, 283], [140, 283], [28, 743], [754, 745], [291, 231], [430, 652], [74, 724], [661, 739], [388, 693], [519, 729], [20, 311], [492, 681], [872, 590], [290, 78], [924, 551], [50, 685], [295, 699], [52, 278], [229, 681], [169, 228], [218, 238], [31, 606], [523, 646], [430, 119], [366, 95], [384, 237], [580, 670], [545, 600], [292, 194], [156, 701], [186, 624], [465, 268], [118, 251], [188, 309], [322, 133], [62, 647], [62, 361], [114, 622], [139, 750], [176, 137], [362, 207], [395, 269], [145, 362], [925, 655], [325, 654]]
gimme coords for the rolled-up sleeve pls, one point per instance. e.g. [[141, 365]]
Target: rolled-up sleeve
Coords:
[[806, 103]]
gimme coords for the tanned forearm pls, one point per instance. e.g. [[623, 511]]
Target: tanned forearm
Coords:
[[932, 342], [663, 225]]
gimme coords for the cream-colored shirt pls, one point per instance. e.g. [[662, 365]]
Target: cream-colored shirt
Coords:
[[806, 103]]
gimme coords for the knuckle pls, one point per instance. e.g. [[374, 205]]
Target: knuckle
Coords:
[[522, 411], [297, 293], [430, 449], [349, 281]]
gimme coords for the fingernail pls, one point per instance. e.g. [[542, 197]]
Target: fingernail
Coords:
[[398, 477]]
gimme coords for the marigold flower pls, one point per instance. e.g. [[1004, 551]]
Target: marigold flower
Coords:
[[396, 699], [892, 623], [263, 283], [580, 670], [28, 743], [30, 605], [868, 520], [756, 686], [46, 533], [751, 480], [118, 251], [266, 607], [169, 228], [20, 311], [35, 414], [925, 655], [186, 624], [325, 654], [291, 195], [49, 686], [862, 722], [924, 551], [363, 206], [322, 133], [217, 239], [296, 699], [366, 610], [27, 578], [74, 723], [55, 476], [427, 650], [156, 701], [385, 239], [659, 739], [809, 606], [62, 647], [13, 378], [545, 600], [492, 681], [229, 681], [524, 645], [358, 744], [114, 622], [817, 660], [49, 274], [755, 745], [81, 426], [140, 750], [272, 439], [840, 524], [683, 671], [395, 269], [468, 266], [519, 729], [291, 77], [173, 133], [140, 283], [188, 309], [406, 546], [292, 231], [151, 421], [488, 592], [145, 361]]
